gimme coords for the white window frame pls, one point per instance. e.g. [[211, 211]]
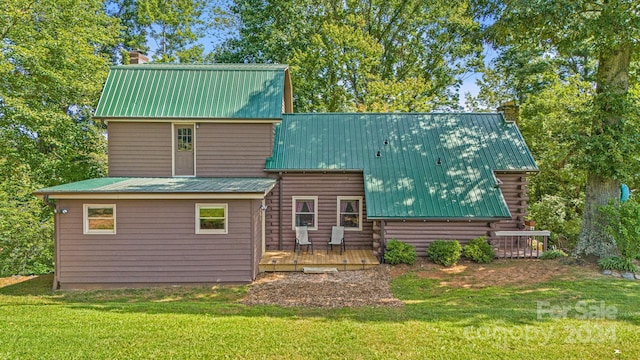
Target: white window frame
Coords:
[[85, 220], [338, 212], [212, 206], [315, 211]]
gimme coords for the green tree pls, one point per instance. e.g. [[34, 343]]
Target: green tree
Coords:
[[361, 55], [51, 73], [607, 33], [172, 27], [26, 229]]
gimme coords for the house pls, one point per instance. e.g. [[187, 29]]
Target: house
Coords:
[[209, 168]]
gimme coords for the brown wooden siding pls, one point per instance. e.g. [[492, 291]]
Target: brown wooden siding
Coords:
[[233, 149], [139, 149], [155, 243], [327, 187], [514, 189], [422, 234]]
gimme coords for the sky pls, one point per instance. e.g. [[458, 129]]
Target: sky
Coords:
[[469, 86], [469, 81]]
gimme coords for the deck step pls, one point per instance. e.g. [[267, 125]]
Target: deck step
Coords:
[[276, 261], [319, 270]]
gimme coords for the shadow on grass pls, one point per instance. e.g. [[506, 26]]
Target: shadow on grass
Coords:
[[39, 285], [425, 300]]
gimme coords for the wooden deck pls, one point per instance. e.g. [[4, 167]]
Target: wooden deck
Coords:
[[291, 261], [518, 253]]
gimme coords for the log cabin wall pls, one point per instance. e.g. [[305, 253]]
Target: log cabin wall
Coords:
[[327, 187]]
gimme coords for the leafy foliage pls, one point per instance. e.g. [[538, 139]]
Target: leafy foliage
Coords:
[[397, 252], [479, 250], [623, 225], [553, 254], [444, 252], [51, 73], [566, 45], [26, 228], [560, 216], [360, 55], [172, 26], [617, 263]]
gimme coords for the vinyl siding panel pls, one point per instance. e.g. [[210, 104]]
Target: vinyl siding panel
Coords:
[[327, 187], [155, 244], [238, 150], [139, 149], [257, 237]]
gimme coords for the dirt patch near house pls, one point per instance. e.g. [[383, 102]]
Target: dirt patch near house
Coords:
[[468, 274], [371, 287], [343, 289], [6, 281]]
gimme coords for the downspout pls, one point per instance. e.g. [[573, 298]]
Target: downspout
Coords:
[[56, 221], [252, 245], [280, 211], [383, 242]]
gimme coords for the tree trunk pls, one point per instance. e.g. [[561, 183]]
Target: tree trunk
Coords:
[[612, 85], [593, 238]]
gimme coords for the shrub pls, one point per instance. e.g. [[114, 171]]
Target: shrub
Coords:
[[398, 252], [26, 229], [558, 215], [618, 263], [479, 250], [444, 252], [553, 254], [623, 225]]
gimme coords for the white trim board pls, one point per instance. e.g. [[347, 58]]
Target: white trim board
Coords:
[[159, 196]]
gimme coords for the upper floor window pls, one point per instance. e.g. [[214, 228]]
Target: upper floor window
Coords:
[[305, 211], [350, 212], [185, 139], [99, 218], [211, 219]]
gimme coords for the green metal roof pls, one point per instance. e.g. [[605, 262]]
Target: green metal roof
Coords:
[[434, 166], [222, 91], [163, 185]]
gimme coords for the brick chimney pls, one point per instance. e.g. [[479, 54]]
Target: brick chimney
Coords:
[[510, 110], [137, 57]]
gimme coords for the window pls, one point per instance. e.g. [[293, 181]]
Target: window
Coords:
[[185, 137], [211, 219], [350, 212], [305, 211], [99, 218]]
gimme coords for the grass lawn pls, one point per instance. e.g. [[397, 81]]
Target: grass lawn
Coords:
[[579, 316]]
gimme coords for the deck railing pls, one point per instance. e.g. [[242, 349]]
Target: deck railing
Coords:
[[520, 244]]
